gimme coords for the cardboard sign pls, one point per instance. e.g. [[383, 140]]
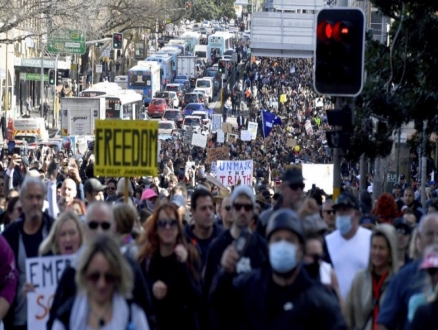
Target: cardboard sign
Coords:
[[230, 173], [227, 127], [216, 122], [44, 274], [308, 127], [252, 127], [199, 140], [214, 154], [245, 135], [291, 142], [220, 136], [126, 148]]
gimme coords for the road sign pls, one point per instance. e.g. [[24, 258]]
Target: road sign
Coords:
[[67, 42], [33, 77], [126, 148], [98, 68]]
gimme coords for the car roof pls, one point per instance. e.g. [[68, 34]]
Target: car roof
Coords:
[[197, 104], [172, 110], [191, 117]]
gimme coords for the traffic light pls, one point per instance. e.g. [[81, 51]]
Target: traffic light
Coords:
[[342, 121], [339, 53], [221, 66], [52, 77], [117, 40], [188, 5]]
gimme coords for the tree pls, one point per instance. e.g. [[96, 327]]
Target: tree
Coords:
[[401, 77]]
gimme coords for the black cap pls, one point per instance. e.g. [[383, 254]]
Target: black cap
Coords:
[[285, 219], [346, 200], [293, 175], [402, 223], [397, 185], [92, 185], [402, 177]]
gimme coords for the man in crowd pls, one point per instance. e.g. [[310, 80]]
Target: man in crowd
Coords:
[[328, 214], [93, 190]]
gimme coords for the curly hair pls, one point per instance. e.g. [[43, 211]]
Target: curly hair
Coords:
[[150, 242], [386, 208]]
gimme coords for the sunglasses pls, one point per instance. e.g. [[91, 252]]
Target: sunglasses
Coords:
[[95, 277], [247, 207], [164, 223], [228, 208], [329, 212], [94, 224], [296, 186], [111, 188]]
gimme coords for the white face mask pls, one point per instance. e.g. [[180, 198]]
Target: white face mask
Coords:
[[343, 223], [283, 256]]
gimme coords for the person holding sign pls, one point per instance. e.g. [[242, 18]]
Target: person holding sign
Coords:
[[105, 283]]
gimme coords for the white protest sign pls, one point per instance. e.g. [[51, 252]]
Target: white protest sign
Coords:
[[230, 172], [213, 168], [319, 174], [217, 123], [44, 274], [199, 140], [252, 127], [245, 136], [308, 127], [220, 136]]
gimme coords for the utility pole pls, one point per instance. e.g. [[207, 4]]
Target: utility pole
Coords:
[[42, 78], [424, 164]]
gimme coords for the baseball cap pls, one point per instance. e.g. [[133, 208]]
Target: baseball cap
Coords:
[[93, 185], [402, 223], [430, 260], [148, 193], [243, 190], [178, 200], [346, 200]]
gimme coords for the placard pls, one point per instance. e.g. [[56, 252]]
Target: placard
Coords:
[[232, 137], [199, 140], [320, 175], [220, 136], [230, 173], [227, 127], [252, 127], [291, 142], [245, 135], [126, 148], [214, 154], [216, 122], [44, 274], [309, 128]]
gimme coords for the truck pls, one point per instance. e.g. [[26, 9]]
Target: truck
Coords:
[[78, 114], [187, 66], [27, 126]]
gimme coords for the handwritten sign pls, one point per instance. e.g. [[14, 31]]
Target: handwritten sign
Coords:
[[252, 127], [308, 127], [214, 154], [230, 173], [220, 136], [216, 122], [245, 136], [44, 274], [199, 140], [227, 127], [291, 142]]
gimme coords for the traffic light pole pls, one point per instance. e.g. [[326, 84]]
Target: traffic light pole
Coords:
[[42, 79], [337, 163]]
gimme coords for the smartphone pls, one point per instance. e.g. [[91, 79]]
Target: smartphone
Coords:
[[243, 241], [11, 147]]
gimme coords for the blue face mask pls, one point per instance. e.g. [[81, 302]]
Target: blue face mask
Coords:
[[283, 256], [343, 223]]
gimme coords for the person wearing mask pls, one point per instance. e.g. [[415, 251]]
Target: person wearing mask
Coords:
[[405, 290], [149, 199], [99, 220], [105, 283], [93, 190], [203, 230], [24, 237], [404, 233], [169, 265], [252, 255], [328, 215], [279, 293], [368, 290], [348, 247], [426, 317]]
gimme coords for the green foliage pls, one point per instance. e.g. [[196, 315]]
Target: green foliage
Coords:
[[204, 9], [401, 78]]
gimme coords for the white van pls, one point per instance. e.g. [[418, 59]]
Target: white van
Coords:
[[207, 85]]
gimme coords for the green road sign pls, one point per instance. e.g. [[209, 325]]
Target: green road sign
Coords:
[[36, 77], [67, 42]]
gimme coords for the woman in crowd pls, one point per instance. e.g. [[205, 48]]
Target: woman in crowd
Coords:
[[127, 226], [368, 290], [386, 208], [13, 211], [169, 264], [65, 237], [78, 207], [426, 316], [105, 283]]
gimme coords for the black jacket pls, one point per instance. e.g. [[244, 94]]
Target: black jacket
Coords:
[[67, 289], [303, 305]]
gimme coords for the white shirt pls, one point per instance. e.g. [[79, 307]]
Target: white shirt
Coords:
[[349, 256]]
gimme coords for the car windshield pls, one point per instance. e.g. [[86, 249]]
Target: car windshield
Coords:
[[191, 98], [28, 139], [193, 107], [203, 83], [162, 94], [170, 114], [157, 101], [191, 121], [165, 125], [200, 115], [211, 73]]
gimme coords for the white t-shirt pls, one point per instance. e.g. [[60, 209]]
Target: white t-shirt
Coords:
[[349, 256]]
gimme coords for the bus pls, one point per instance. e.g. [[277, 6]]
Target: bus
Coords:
[[181, 44], [165, 61], [192, 39], [174, 52], [218, 43], [122, 81], [145, 79], [127, 105], [101, 88]]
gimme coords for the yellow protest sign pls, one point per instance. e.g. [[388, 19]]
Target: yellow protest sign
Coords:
[[126, 148]]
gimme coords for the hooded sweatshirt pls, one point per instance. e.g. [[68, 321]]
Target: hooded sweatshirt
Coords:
[[359, 310]]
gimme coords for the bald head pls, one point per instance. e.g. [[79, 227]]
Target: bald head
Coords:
[[68, 190], [99, 218], [428, 231]]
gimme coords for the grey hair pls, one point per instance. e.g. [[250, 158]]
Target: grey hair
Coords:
[[28, 181], [99, 205], [327, 202], [425, 218]]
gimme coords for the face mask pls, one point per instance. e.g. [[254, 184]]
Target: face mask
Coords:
[[150, 205], [343, 223], [313, 268], [282, 256]]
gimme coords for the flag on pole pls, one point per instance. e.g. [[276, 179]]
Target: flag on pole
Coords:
[[269, 119]]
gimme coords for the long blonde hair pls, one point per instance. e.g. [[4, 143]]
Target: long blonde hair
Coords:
[[50, 244]]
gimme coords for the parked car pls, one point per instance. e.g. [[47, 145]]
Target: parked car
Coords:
[[188, 110], [171, 98], [166, 126], [174, 115], [157, 107]]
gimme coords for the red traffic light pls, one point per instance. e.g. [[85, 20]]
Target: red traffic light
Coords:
[[338, 31], [324, 30]]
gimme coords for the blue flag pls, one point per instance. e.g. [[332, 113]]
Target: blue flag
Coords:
[[269, 119]]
